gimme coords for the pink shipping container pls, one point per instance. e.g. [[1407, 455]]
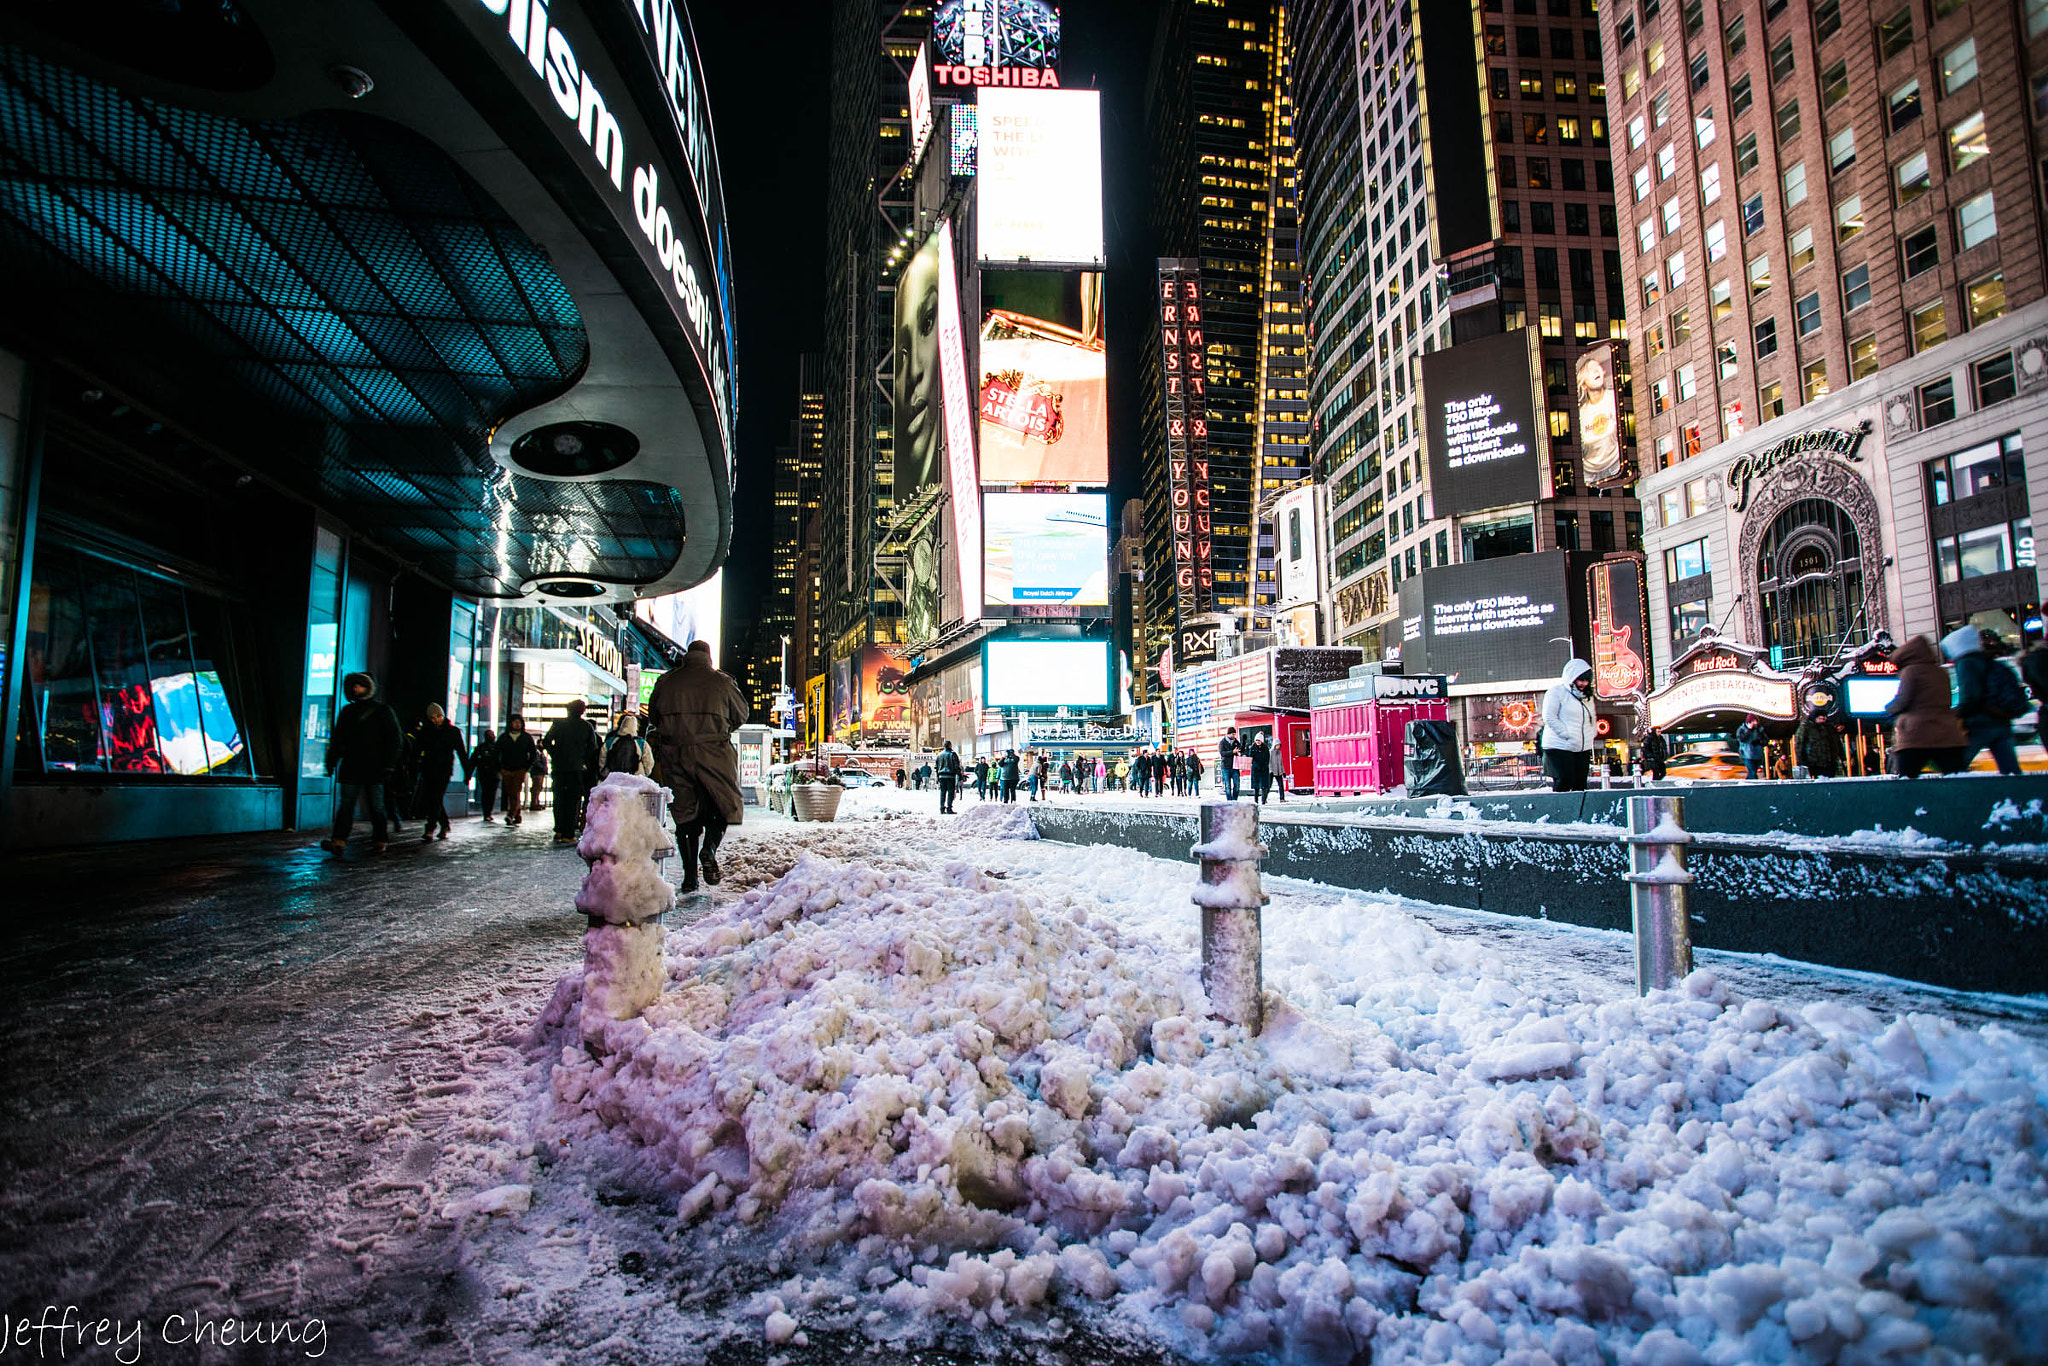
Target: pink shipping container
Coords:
[[1361, 747]]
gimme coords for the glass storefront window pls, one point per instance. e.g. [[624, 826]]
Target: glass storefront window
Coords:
[[323, 653], [115, 685], [1995, 464]]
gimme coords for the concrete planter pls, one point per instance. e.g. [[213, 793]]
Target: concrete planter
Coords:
[[817, 801]]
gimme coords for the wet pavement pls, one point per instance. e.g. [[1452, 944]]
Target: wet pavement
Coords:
[[244, 1077]]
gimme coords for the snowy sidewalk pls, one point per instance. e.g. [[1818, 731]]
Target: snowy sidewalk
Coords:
[[960, 1083]]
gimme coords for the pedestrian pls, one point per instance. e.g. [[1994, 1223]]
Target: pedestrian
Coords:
[[517, 754], [1066, 775], [1817, 748], [539, 778], [696, 709], [1750, 740], [484, 761], [1122, 780], [1656, 753], [898, 775], [1041, 778], [574, 758], [362, 751], [1009, 773], [949, 778], [1226, 759], [1926, 732], [398, 785], [625, 751], [1570, 730], [1262, 769], [981, 778], [2034, 672], [1195, 770], [438, 749], [1989, 696]]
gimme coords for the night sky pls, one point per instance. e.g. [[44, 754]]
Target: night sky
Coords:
[[770, 103]]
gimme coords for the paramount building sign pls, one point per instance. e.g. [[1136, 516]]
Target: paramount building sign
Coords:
[[1843, 441]]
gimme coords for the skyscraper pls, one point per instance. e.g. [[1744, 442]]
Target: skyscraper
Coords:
[[1220, 140], [868, 214], [1446, 198], [1836, 231]]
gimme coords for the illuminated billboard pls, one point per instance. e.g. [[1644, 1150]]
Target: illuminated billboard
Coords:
[[920, 102], [1599, 417], [960, 467], [1486, 437], [1047, 548], [693, 614], [1041, 176], [977, 38], [1046, 673], [1044, 409], [1488, 621], [916, 394], [1620, 668]]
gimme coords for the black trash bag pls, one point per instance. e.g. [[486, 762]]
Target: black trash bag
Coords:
[[1434, 769]]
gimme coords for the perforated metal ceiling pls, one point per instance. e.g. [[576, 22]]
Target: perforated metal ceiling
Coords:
[[345, 273]]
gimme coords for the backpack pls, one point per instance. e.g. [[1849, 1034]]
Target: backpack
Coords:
[[2004, 698], [623, 756]]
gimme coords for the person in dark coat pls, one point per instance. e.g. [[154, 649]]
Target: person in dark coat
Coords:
[[437, 750], [1011, 770], [1751, 741], [1656, 752], [2034, 673], [1262, 768], [696, 709], [1926, 732], [484, 762], [399, 783], [574, 758], [1986, 710], [1226, 758], [948, 769], [981, 778], [517, 754], [362, 750], [1817, 747]]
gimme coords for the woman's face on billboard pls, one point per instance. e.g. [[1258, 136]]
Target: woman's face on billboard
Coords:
[[917, 367]]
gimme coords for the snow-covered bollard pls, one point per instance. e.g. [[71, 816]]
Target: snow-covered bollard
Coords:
[[626, 835], [1230, 898], [1660, 891]]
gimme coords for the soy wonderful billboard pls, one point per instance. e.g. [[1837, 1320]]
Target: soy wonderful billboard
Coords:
[[1485, 429], [1488, 621]]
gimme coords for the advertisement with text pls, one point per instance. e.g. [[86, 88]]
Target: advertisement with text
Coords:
[[1041, 176], [1044, 409], [1488, 621], [1487, 445], [1047, 548]]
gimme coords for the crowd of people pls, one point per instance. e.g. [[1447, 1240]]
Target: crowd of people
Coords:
[[1151, 772], [395, 774]]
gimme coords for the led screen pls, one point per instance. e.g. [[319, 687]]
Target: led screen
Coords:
[[195, 727], [1041, 176], [1599, 417], [1486, 441], [998, 34], [1488, 621], [917, 392], [1870, 696], [1044, 411], [1047, 548], [693, 614], [1047, 673]]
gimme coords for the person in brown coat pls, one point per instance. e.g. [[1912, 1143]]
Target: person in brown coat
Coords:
[[1928, 732], [695, 710]]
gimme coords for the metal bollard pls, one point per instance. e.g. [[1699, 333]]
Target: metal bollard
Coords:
[[1659, 891], [1230, 898]]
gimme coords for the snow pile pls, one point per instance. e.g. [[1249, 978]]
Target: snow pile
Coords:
[[976, 1097], [624, 833], [994, 820]]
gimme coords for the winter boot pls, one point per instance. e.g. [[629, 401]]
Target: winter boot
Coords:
[[686, 840], [711, 839]]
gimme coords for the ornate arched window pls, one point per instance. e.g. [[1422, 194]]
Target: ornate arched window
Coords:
[[1809, 571]]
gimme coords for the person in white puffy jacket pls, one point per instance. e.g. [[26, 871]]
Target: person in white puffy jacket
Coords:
[[1570, 730]]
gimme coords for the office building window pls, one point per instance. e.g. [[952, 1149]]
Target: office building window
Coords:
[[1848, 218], [1976, 222], [1855, 288], [1801, 243], [1765, 336], [1959, 66], [1806, 314], [1994, 379], [1894, 35], [1814, 380], [1912, 177], [1967, 473], [1795, 185], [1921, 250], [1985, 297], [1967, 142], [1930, 325], [1863, 357], [1770, 401], [1902, 106], [1937, 401]]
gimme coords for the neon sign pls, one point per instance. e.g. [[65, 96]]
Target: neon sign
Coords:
[[1186, 379]]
